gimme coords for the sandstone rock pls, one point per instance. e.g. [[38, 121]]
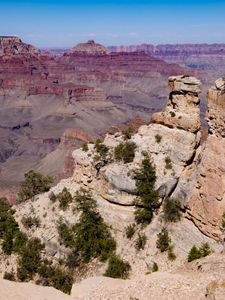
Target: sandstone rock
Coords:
[[208, 184], [220, 83], [182, 110], [117, 176], [184, 83], [216, 108]]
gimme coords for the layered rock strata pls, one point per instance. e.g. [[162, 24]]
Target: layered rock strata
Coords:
[[202, 185]]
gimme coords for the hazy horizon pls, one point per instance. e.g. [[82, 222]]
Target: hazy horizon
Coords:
[[62, 24]]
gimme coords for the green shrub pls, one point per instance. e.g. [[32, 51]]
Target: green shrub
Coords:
[[90, 237], [9, 276], [29, 222], [173, 114], [19, 241], [117, 268], [84, 200], [141, 242], [172, 210], [55, 277], [34, 184], [12, 239], [30, 259], [64, 198], [130, 231], [65, 234], [205, 250], [85, 147], [125, 152], [147, 197], [196, 253], [11, 228], [193, 254], [127, 133], [155, 267], [163, 242], [101, 149], [168, 163], [158, 138]]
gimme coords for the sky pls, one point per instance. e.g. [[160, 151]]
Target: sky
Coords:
[[58, 23]]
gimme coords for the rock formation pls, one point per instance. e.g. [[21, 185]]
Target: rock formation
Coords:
[[89, 48], [12, 45], [182, 110], [198, 56], [186, 168], [202, 184], [216, 108], [86, 89]]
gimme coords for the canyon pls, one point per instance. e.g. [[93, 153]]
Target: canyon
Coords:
[[77, 96], [188, 168]]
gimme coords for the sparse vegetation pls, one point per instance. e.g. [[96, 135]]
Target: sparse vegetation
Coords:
[[101, 149], [90, 237], [127, 133], [196, 253], [85, 147], [125, 152], [34, 184], [173, 114], [147, 200], [29, 222], [158, 138], [118, 268], [130, 230], [12, 238], [164, 241], [9, 276], [56, 277], [65, 198], [172, 210], [30, 259], [155, 267], [168, 163], [140, 242]]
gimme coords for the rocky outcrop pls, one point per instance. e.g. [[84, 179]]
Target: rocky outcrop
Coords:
[[171, 142], [89, 48], [182, 110], [201, 185], [216, 108], [13, 45]]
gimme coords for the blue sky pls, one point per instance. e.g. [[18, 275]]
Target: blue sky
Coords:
[[57, 23]]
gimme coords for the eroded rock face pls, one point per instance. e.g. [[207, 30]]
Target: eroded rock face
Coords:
[[170, 147], [12, 45], [182, 109], [216, 108], [202, 185]]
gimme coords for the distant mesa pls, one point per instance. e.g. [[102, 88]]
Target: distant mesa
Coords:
[[89, 48], [13, 45]]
